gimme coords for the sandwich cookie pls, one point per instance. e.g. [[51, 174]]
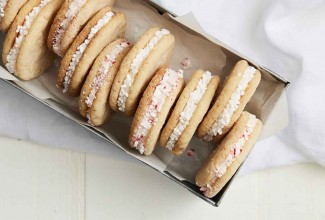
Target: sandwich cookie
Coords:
[[192, 105], [224, 161], [8, 11], [69, 21], [237, 90], [93, 103], [27, 32], [155, 104], [152, 51], [105, 27]]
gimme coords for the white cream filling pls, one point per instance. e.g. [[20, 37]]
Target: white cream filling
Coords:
[[226, 115], [82, 47], [135, 66], [191, 105], [22, 32], [3, 4], [103, 70], [162, 91], [234, 152], [72, 11]]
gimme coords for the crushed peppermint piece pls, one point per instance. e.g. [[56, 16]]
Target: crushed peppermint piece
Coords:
[[190, 152], [186, 63]]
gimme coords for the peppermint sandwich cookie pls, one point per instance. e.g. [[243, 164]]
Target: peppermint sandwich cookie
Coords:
[[69, 21], [8, 11], [25, 52], [192, 105], [154, 107], [93, 103], [236, 92], [105, 27], [153, 50], [224, 161]]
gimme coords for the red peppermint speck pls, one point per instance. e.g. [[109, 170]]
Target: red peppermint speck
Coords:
[[138, 138], [190, 152], [128, 43], [235, 151], [186, 63], [114, 62]]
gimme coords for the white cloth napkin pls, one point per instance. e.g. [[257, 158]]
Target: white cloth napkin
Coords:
[[285, 35]]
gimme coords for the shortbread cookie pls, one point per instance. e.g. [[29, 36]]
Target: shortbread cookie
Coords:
[[192, 105], [224, 161], [8, 11], [93, 103], [155, 104], [105, 27], [69, 21], [25, 52], [152, 51], [237, 90]]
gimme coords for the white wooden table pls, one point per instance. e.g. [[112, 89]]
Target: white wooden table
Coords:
[[39, 182]]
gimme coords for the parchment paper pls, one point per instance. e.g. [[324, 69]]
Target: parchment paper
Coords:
[[203, 54]]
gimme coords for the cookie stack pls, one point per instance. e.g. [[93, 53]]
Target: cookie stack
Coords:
[[28, 32], [111, 75], [106, 26]]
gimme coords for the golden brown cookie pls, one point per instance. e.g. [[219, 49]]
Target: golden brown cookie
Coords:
[[224, 161], [105, 27], [152, 51], [155, 104], [25, 52], [236, 92], [69, 21], [192, 105], [8, 11], [93, 103]]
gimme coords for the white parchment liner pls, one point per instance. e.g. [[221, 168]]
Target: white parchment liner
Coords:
[[267, 103]]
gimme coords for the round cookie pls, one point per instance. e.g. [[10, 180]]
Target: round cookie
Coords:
[[236, 92], [224, 161], [72, 17], [189, 111], [8, 11], [152, 51], [105, 27], [27, 32], [154, 107], [93, 103]]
